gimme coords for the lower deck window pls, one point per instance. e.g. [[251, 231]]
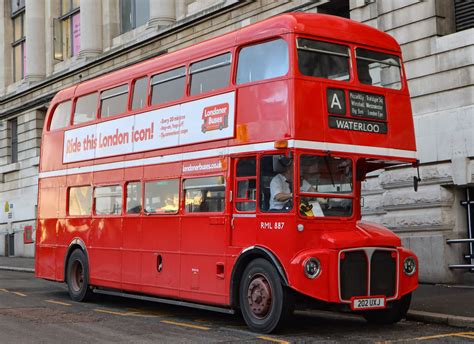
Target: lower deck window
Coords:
[[162, 197], [108, 200], [205, 194], [80, 200]]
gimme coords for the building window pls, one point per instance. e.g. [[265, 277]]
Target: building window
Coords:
[[14, 140], [133, 13], [464, 14], [18, 44], [67, 31]]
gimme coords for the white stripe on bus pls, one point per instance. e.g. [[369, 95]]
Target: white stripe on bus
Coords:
[[224, 151]]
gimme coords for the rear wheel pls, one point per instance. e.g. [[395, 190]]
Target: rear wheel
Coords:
[[391, 315], [77, 277], [264, 301]]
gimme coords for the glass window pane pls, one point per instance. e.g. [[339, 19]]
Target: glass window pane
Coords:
[[142, 12], [323, 59], [205, 194], [18, 27], [210, 74], [168, 86], [325, 174], [247, 167], [18, 60], [76, 34], [66, 36], [114, 101], [17, 5], [263, 61], [162, 197], [134, 198], [139, 93], [61, 116], [86, 108], [378, 69], [80, 200], [108, 200], [126, 16]]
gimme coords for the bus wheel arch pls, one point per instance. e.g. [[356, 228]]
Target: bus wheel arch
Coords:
[[246, 257]]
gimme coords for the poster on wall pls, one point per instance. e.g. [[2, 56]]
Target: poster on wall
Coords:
[[202, 120]]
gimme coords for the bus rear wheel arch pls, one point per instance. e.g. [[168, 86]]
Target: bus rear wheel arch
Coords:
[[77, 277], [263, 299]]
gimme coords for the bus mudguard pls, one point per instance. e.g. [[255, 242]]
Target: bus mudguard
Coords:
[[245, 257]]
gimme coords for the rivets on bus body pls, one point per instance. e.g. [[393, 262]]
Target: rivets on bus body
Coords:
[[300, 227]]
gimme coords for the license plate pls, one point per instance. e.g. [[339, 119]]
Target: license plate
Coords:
[[368, 303]]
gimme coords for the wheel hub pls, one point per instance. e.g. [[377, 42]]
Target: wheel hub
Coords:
[[259, 296]]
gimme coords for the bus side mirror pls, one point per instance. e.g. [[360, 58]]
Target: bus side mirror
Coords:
[[416, 180]]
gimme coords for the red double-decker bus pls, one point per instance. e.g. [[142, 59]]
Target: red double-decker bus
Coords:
[[137, 200]]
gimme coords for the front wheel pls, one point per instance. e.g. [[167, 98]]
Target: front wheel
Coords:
[[391, 315], [264, 301], [77, 277]]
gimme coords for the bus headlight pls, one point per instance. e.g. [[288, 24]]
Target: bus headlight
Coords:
[[409, 266], [312, 267]]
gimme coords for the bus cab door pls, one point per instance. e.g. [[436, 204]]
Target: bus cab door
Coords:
[[204, 228], [244, 203]]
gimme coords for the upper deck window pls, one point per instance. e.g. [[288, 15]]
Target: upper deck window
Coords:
[[168, 86], [263, 61], [323, 59], [378, 69], [86, 108], [61, 116], [114, 101], [210, 74], [139, 93]]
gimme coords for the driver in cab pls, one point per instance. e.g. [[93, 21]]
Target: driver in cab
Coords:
[[281, 186]]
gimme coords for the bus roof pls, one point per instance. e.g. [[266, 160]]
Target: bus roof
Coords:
[[317, 25]]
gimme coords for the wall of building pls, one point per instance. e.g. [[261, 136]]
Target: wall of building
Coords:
[[440, 71], [438, 64]]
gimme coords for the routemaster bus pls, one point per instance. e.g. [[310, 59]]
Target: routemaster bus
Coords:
[[227, 175]]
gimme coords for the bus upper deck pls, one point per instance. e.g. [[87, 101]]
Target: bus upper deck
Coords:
[[320, 82]]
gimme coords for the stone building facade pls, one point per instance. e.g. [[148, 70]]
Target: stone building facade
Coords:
[[48, 45]]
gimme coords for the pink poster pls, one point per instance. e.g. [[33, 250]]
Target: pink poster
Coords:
[[76, 34]]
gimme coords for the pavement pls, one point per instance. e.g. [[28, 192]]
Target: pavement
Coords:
[[431, 303]]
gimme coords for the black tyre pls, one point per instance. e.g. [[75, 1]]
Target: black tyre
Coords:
[[264, 302], [391, 315], [77, 277]]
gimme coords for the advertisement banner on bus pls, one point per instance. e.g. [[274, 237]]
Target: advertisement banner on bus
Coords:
[[202, 120]]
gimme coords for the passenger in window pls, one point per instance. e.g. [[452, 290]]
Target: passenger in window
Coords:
[[281, 187], [309, 176]]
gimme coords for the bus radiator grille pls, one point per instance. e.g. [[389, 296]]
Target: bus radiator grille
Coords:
[[354, 272], [383, 273]]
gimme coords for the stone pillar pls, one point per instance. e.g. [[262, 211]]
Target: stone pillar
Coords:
[[35, 40], [162, 13], [180, 9], [91, 28], [5, 69]]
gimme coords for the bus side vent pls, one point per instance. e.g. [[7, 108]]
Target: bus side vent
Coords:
[[353, 274], [383, 272]]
